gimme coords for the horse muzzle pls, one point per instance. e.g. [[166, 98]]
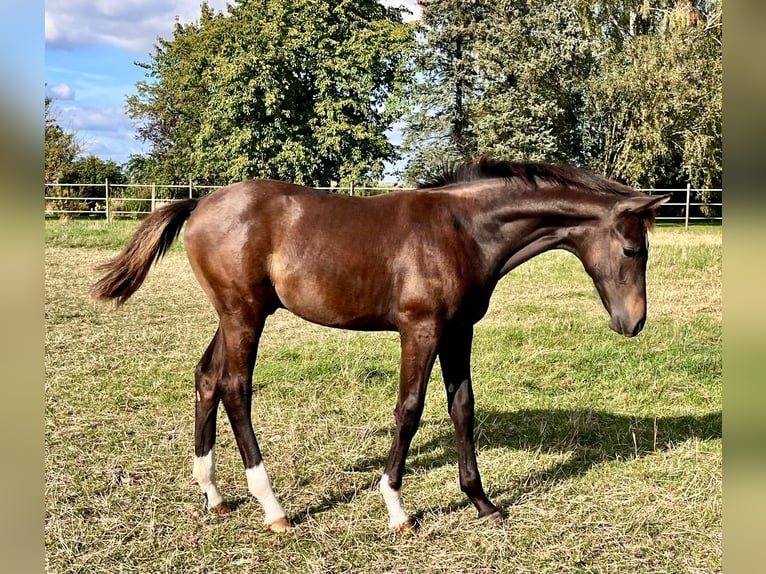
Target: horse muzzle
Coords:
[[626, 326]]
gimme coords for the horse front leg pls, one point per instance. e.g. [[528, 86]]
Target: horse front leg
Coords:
[[418, 344], [455, 361]]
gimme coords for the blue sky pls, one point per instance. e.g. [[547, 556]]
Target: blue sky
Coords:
[[90, 50]]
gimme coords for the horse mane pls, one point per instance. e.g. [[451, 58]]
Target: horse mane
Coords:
[[535, 174]]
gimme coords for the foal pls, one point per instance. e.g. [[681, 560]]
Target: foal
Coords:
[[423, 263]]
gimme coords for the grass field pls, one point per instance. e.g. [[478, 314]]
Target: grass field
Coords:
[[604, 452]]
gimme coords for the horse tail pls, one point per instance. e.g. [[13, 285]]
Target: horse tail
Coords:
[[125, 273]]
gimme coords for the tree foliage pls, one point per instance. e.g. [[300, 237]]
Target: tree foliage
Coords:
[[167, 107], [143, 169], [655, 109], [535, 60], [303, 90], [629, 88], [61, 147], [92, 172], [439, 127], [307, 90], [92, 169], [502, 78]]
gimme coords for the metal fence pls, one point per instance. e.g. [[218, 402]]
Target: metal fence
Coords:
[[690, 204], [110, 200]]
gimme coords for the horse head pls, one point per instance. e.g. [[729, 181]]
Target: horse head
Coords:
[[614, 251]]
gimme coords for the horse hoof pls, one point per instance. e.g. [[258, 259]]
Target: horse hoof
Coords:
[[221, 508], [405, 527], [494, 518], [279, 525]]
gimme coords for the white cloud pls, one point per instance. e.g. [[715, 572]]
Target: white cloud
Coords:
[[95, 118], [130, 24], [411, 5], [104, 131], [108, 145], [60, 92]]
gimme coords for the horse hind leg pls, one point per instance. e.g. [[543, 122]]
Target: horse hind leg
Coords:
[[205, 413], [236, 393]]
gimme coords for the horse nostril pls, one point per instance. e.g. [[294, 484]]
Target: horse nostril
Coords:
[[639, 326]]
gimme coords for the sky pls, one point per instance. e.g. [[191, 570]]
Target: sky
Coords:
[[91, 47]]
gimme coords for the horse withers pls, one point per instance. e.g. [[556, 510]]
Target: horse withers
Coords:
[[423, 263]]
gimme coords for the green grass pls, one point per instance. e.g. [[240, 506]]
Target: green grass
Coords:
[[604, 452]]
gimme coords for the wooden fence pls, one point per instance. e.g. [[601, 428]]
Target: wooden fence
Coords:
[[110, 200]]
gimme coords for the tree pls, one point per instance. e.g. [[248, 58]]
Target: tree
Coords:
[[439, 127], [504, 78], [615, 23], [141, 168], [302, 90], [90, 170], [168, 106], [535, 60], [61, 147], [628, 88], [654, 111]]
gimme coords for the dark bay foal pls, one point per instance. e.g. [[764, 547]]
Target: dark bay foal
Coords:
[[423, 263]]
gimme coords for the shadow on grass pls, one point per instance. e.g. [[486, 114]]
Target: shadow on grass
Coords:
[[333, 501], [589, 437]]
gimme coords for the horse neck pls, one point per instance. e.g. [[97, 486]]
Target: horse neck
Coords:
[[517, 224]]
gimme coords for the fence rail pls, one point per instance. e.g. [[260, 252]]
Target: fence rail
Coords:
[[682, 208], [112, 200]]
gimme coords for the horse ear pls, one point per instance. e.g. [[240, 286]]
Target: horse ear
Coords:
[[641, 204]]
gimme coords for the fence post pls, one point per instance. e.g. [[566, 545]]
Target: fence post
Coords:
[[106, 194], [688, 204], [154, 196], [190, 188], [351, 188]]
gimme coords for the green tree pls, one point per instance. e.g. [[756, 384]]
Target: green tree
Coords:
[[629, 88], [654, 111], [615, 23], [504, 78], [302, 90], [91, 170], [535, 61], [167, 107], [142, 168], [61, 147], [439, 127]]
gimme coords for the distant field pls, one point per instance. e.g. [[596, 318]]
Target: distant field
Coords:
[[604, 452]]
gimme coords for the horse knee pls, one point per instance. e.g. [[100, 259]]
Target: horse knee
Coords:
[[408, 412], [206, 387], [235, 392]]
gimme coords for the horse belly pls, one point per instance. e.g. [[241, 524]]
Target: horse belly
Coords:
[[334, 299]]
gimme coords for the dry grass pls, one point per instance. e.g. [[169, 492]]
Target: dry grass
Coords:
[[604, 452]]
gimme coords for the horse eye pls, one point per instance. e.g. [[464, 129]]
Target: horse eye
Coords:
[[629, 251]]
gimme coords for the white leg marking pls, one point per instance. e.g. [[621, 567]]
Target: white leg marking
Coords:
[[259, 485], [396, 514], [204, 473]]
